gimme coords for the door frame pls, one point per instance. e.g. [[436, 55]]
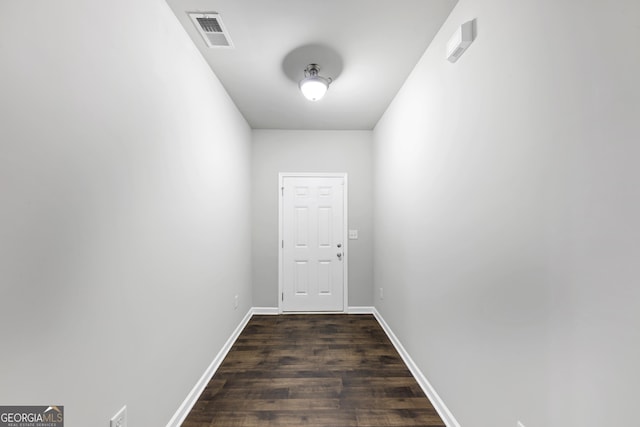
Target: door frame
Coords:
[[345, 233]]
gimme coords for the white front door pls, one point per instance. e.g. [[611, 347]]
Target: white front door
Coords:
[[312, 254]]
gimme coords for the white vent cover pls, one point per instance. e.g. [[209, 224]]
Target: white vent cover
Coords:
[[211, 28], [460, 41]]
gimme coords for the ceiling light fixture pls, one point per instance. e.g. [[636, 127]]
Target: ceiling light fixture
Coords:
[[314, 86]]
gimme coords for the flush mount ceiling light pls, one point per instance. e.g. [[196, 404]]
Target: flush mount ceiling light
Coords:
[[314, 86]]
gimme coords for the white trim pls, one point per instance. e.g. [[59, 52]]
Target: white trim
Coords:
[[270, 311], [360, 310], [428, 389], [345, 231], [286, 313], [191, 399]]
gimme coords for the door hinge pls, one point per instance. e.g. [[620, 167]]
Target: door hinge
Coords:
[[283, 244], [282, 190], [283, 296]]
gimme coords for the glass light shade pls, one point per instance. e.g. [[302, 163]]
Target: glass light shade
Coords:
[[313, 88]]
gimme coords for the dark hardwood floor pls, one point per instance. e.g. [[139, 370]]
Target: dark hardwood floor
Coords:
[[313, 370]]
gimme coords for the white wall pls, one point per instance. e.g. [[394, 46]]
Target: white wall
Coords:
[[117, 220], [277, 151], [507, 214]]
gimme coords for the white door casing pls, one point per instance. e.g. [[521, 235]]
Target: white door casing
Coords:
[[313, 252]]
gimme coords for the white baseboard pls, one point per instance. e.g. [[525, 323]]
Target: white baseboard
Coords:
[[184, 409], [265, 310], [360, 310], [350, 310], [428, 389]]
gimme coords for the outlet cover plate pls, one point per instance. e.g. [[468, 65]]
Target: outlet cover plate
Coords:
[[120, 418]]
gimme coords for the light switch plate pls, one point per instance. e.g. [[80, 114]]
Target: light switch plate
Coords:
[[353, 234]]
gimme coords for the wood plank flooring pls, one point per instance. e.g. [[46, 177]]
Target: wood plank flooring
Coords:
[[313, 370]]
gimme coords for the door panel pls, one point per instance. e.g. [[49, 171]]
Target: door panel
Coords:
[[312, 244]]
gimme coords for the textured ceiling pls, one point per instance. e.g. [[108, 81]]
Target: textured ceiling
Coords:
[[368, 47]]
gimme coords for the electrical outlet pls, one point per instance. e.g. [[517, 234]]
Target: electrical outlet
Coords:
[[381, 294], [236, 301], [120, 418], [520, 424]]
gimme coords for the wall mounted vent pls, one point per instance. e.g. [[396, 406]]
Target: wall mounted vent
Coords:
[[211, 28]]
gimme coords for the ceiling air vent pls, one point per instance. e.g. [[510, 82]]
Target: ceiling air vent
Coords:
[[212, 30]]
